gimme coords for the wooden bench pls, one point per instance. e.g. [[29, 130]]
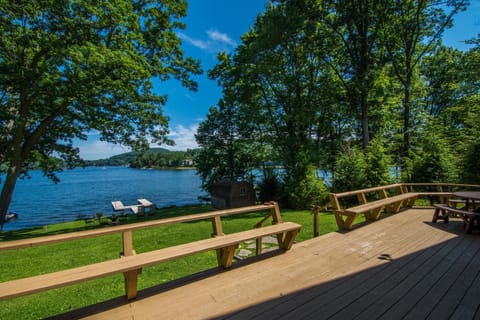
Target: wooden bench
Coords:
[[390, 198], [471, 219], [131, 264], [434, 192]]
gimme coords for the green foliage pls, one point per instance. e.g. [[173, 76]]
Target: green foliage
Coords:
[[470, 164], [223, 154], [269, 188], [310, 190], [70, 67], [163, 159], [350, 171], [311, 76], [433, 160], [378, 163]]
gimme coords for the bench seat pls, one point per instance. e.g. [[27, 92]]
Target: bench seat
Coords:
[[471, 219], [390, 197], [372, 209], [131, 265], [398, 199]]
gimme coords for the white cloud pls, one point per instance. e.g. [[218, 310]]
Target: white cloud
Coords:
[[216, 41], [194, 42], [221, 37], [96, 149], [184, 137]]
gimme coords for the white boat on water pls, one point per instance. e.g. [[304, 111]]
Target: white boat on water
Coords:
[[11, 216]]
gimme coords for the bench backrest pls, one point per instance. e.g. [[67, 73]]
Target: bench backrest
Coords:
[[126, 230], [337, 200], [364, 195], [438, 187]]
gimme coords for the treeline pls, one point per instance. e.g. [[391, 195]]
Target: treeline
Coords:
[[169, 159], [153, 158], [357, 88]]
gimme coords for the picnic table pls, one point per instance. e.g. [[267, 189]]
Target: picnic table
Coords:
[[468, 213], [470, 197]]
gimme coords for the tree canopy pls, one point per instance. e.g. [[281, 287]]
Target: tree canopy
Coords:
[[357, 88], [71, 67]]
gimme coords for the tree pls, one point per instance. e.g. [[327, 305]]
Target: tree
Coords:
[[70, 67], [223, 153], [470, 102], [414, 30], [356, 26], [276, 74]]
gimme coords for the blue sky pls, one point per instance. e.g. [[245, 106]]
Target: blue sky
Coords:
[[214, 26]]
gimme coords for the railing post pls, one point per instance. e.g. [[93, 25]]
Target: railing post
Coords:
[[315, 212], [131, 277], [218, 231], [127, 239], [275, 212]]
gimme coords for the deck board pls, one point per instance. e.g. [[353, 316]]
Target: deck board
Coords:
[[402, 266]]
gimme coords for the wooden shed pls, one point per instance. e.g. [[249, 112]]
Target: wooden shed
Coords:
[[232, 194]]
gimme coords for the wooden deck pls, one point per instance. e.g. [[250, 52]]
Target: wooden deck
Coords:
[[401, 267]]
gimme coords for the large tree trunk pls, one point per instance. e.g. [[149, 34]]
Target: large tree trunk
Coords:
[[7, 191]]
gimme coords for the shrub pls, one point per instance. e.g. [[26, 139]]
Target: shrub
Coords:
[[378, 164], [269, 188], [350, 171], [310, 190]]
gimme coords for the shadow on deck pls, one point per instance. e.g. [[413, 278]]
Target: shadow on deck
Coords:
[[402, 266]]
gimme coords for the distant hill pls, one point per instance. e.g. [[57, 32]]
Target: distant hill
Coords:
[[154, 157]]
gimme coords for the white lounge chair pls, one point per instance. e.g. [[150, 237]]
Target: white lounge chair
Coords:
[[138, 209], [148, 205]]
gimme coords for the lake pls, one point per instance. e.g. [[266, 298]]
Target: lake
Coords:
[[86, 191]]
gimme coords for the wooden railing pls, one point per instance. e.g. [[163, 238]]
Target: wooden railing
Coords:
[[372, 201], [131, 264]]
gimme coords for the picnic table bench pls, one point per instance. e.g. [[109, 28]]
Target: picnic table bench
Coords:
[[130, 264], [471, 219]]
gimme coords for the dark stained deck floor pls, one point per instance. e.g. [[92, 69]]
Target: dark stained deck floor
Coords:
[[401, 267]]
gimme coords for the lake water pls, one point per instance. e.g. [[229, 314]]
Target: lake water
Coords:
[[86, 191]]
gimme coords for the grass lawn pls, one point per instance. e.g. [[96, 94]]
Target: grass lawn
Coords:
[[48, 258]]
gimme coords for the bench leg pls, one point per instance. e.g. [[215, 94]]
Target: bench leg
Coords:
[[344, 224], [375, 214], [435, 215], [289, 239], [349, 222], [131, 281], [396, 206], [226, 256], [470, 221], [258, 246], [440, 213], [339, 220]]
